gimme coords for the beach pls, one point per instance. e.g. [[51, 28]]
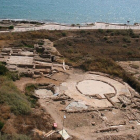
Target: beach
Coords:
[[23, 27]]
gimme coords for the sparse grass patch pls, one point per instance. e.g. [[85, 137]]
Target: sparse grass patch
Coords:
[[127, 40], [82, 31], [28, 46], [70, 51]]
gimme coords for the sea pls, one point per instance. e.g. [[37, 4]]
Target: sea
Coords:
[[72, 11]]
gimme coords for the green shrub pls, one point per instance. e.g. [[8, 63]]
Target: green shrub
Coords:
[[3, 69], [130, 32], [40, 50], [69, 43], [100, 30], [117, 32], [124, 45], [11, 27], [72, 25], [127, 40], [129, 53], [82, 31], [109, 41], [63, 34], [88, 33], [1, 125], [13, 76], [135, 36], [124, 33], [29, 90], [109, 30], [40, 43], [105, 38], [112, 34]]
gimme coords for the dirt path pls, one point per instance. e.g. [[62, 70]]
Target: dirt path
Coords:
[[63, 38], [51, 109], [58, 118]]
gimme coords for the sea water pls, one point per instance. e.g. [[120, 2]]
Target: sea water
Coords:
[[72, 11]]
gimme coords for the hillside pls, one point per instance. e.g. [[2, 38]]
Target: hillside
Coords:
[[89, 50]]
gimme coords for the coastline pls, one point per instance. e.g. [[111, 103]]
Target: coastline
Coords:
[[57, 23], [31, 25]]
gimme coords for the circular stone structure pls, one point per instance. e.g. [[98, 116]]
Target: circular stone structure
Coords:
[[92, 87]]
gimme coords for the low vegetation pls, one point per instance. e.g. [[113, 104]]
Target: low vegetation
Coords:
[[110, 67], [11, 27], [1, 125], [3, 69], [104, 65], [5, 28], [14, 137], [29, 92], [10, 95]]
